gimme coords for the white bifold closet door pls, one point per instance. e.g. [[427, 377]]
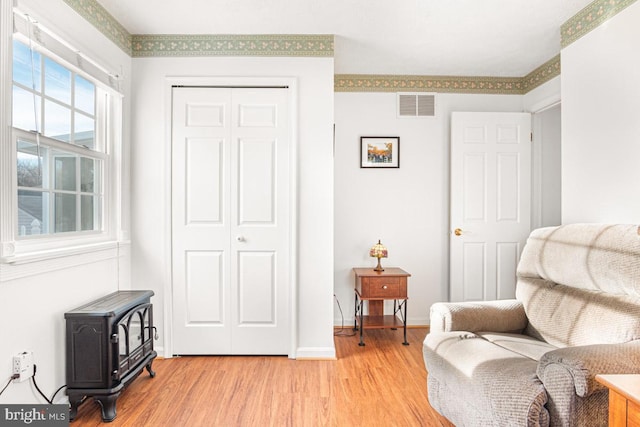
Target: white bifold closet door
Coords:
[[230, 221]]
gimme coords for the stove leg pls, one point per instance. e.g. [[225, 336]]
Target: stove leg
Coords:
[[74, 400], [152, 373], [108, 406]]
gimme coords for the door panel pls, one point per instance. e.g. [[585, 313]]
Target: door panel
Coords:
[[475, 183], [205, 179], [474, 275], [204, 287], [508, 197], [256, 184], [490, 202], [256, 288], [205, 114], [507, 258], [252, 115]]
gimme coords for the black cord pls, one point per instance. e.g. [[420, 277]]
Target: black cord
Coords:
[[342, 333], [54, 394], [33, 379], [8, 382]]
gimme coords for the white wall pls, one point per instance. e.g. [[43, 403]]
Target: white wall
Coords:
[[151, 180], [600, 126], [407, 208], [32, 305]]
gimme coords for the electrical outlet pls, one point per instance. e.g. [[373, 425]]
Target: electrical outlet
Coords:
[[23, 365]]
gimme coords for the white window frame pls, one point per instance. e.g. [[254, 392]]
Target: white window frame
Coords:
[[15, 250], [55, 151]]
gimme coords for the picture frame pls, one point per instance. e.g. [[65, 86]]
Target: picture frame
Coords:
[[379, 151]]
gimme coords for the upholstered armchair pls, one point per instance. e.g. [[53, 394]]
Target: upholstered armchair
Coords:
[[532, 361]]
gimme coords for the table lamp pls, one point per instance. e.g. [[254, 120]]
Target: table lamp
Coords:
[[378, 251]]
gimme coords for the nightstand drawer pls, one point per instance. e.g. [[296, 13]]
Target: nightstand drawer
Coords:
[[384, 287]]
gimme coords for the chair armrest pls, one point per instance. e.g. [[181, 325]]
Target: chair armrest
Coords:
[[487, 316], [583, 363]]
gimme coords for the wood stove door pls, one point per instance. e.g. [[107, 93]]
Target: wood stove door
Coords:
[[135, 338]]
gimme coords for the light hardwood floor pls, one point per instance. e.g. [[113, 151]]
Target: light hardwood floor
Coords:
[[380, 384]]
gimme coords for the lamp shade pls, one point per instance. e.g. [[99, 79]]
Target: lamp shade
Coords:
[[378, 250]]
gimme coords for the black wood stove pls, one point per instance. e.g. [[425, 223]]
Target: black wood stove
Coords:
[[109, 343]]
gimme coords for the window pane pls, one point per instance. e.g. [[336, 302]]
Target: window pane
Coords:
[[57, 121], [87, 206], [85, 95], [84, 131], [32, 212], [57, 81], [24, 113], [29, 169], [87, 175], [64, 210], [22, 60], [64, 172]]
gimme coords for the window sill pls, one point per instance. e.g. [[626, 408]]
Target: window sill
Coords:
[[34, 263], [57, 253]]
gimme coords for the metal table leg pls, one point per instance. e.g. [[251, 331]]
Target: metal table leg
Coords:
[[355, 313], [395, 311], [361, 324], [404, 318]]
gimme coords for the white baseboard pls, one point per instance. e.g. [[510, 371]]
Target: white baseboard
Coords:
[[160, 351], [316, 353], [413, 321]]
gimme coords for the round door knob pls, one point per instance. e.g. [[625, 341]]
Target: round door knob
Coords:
[[457, 232], [384, 287], [240, 238]]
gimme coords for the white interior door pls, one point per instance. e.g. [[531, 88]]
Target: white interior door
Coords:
[[490, 202], [230, 221]]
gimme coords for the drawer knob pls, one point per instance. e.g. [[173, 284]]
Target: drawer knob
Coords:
[[384, 287]]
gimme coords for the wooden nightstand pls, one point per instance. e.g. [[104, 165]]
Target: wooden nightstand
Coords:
[[376, 287], [624, 399]]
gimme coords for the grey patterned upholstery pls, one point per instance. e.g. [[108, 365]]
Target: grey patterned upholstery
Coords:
[[532, 361]]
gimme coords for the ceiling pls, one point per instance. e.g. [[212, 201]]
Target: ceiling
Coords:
[[500, 38]]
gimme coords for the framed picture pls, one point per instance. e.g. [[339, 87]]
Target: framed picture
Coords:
[[379, 151]]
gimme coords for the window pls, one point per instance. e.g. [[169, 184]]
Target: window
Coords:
[[61, 152]]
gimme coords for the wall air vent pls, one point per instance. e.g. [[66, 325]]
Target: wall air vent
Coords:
[[416, 104]]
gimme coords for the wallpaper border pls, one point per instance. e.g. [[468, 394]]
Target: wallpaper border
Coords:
[[448, 84], [589, 18], [443, 84], [305, 45], [542, 74]]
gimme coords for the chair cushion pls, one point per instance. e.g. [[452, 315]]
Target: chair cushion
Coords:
[[599, 257], [566, 316], [469, 378]]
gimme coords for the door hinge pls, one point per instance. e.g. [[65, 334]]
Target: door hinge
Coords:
[[531, 136]]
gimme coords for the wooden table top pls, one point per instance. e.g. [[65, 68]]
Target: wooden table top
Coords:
[[627, 385], [388, 271]]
